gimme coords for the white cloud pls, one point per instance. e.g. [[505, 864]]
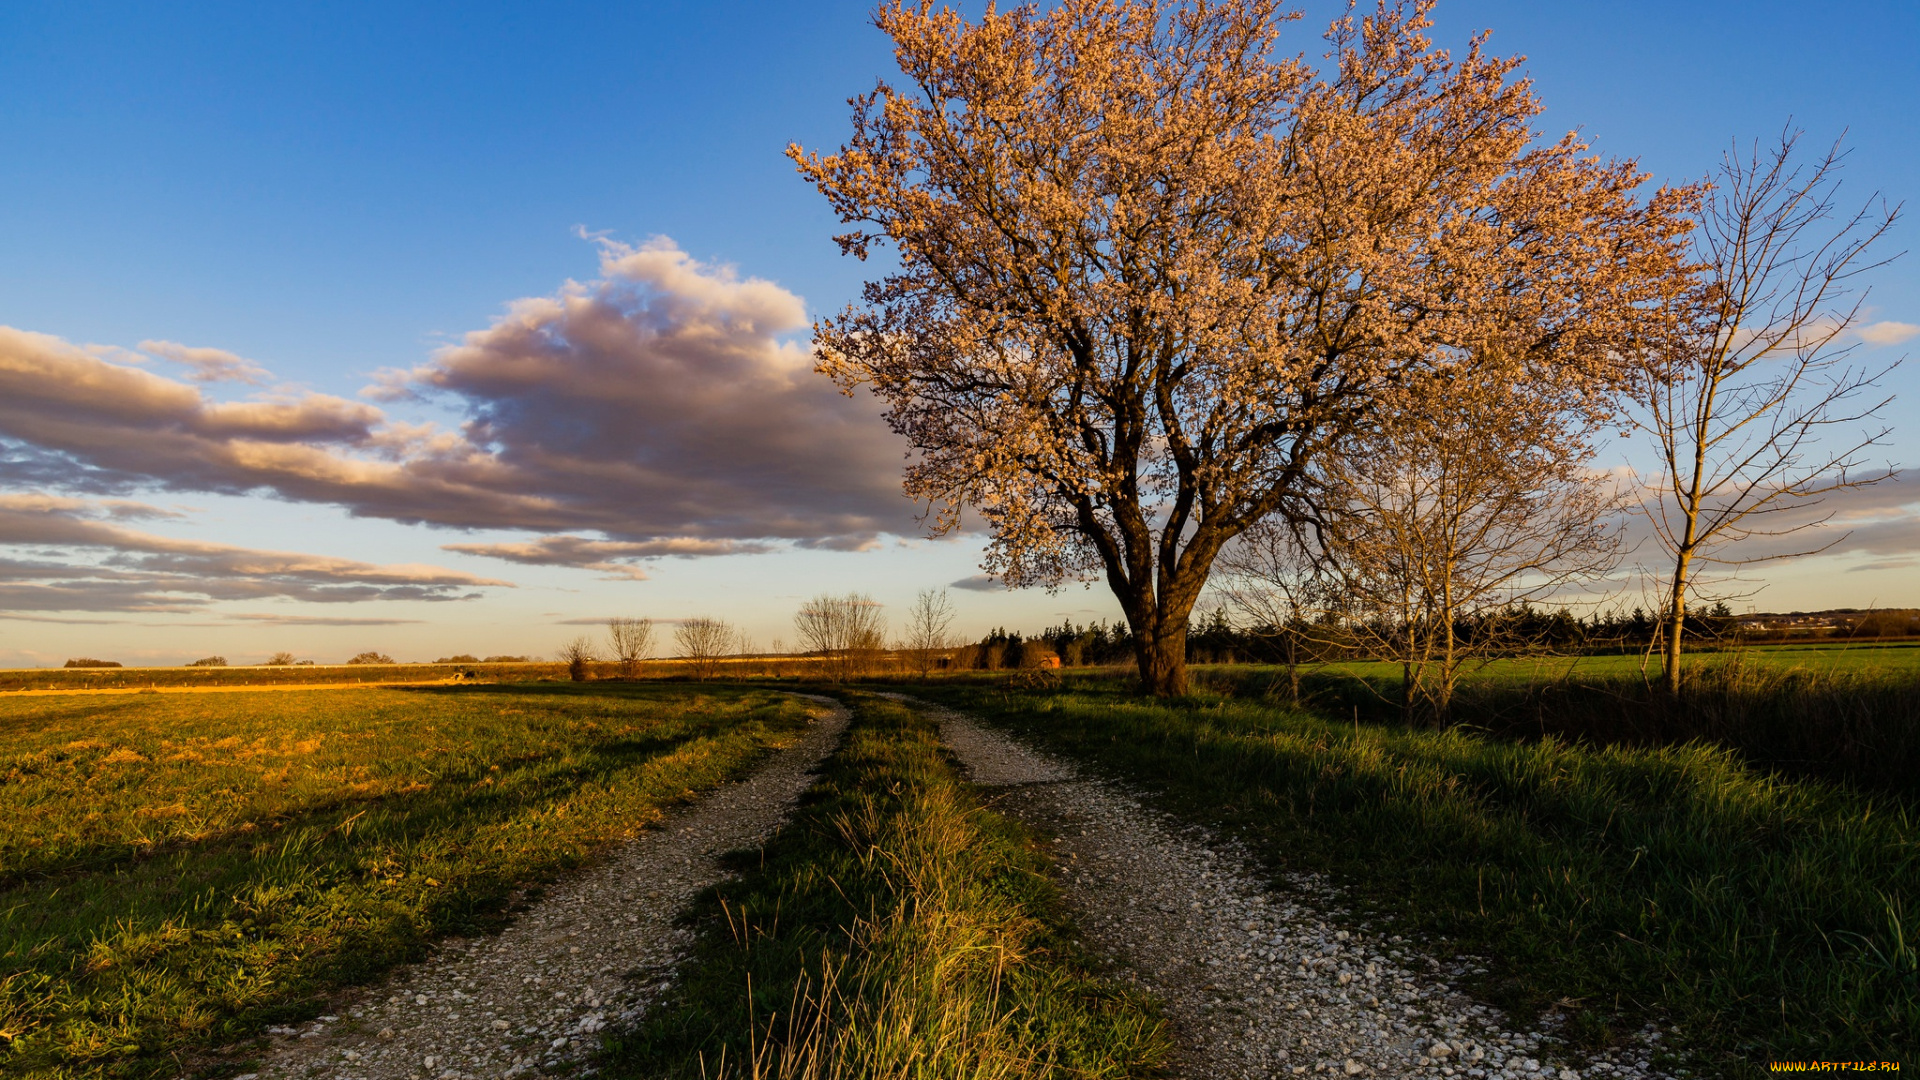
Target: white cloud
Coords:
[[1886, 332]]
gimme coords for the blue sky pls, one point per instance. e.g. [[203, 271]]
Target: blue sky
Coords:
[[334, 190]]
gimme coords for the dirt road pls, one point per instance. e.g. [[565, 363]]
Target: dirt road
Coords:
[[594, 951], [1259, 982]]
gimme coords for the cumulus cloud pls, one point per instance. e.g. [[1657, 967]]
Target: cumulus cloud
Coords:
[[661, 402], [208, 365], [1886, 332], [84, 560]]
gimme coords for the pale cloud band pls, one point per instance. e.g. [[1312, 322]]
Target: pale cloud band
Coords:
[[135, 571], [1886, 333]]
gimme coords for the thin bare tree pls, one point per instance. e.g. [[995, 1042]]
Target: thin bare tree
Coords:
[[1739, 406], [703, 645], [631, 641], [848, 633], [1278, 587], [1484, 503], [1477, 498], [1150, 268], [929, 631]]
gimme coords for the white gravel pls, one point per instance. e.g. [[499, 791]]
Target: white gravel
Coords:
[[593, 952], [1257, 982]]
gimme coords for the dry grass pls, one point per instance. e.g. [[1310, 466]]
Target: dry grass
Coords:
[[180, 871]]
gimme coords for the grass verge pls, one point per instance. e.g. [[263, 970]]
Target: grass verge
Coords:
[[180, 871], [1762, 917], [894, 928]]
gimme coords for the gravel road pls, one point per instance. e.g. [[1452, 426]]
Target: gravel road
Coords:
[[1258, 982], [593, 952]]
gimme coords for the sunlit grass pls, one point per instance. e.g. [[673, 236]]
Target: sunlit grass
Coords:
[[178, 871], [895, 928], [1765, 917]]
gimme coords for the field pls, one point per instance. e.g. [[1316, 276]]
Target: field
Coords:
[[1890, 659], [1844, 713], [179, 871], [1613, 885]]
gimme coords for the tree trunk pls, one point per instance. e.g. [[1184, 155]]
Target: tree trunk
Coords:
[[1160, 642], [1676, 625]]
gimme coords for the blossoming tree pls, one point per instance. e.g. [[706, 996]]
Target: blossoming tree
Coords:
[[1150, 271]]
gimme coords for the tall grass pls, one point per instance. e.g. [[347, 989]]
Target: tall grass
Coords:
[[1762, 916], [1847, 722], [179, 871], [894, 929]]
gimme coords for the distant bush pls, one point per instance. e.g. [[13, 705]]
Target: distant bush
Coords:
[[577, 655], [371, 657], [279, 659], [508, 660], [298, 663], [86, 661], [209, 661], [460, 658]]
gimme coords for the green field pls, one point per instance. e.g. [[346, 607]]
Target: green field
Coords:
[[1889, 660], [895, 928], [180, 870], [1761, 917]]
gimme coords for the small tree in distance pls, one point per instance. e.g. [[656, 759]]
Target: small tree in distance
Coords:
[[929, 629], [632, 642], [703, 644], [282, 659], [577, 654], [209, 661], [847, 632], [368, 657]]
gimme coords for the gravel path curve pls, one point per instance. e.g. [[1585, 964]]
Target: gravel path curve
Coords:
[[593, 952], [1258, 983]]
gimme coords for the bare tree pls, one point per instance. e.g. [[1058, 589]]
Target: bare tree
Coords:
[[1150, 270], [1739, 406], [929, 629], [703, 644], [848, 633], [577, 654], [632, 642], [1478, 499], [1482, 503], [1272, 577]]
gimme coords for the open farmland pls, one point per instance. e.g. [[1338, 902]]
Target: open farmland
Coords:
[[183, 870], [1845, 713], [1605, 886]]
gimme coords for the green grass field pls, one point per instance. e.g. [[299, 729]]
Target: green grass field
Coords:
[[1881, 660], [177, 871], [1762, 917], [895, 928]]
